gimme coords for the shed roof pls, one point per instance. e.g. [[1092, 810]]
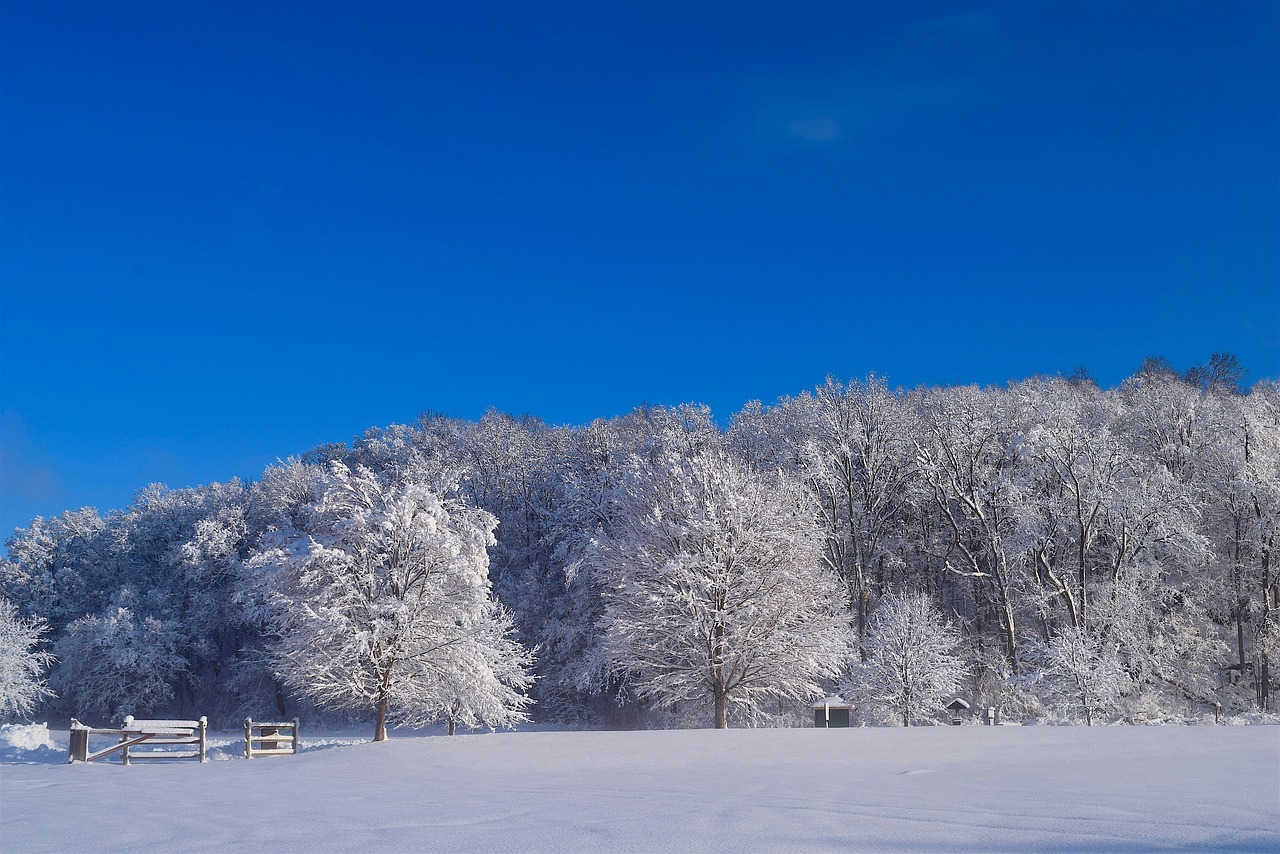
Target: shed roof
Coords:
[[833, 702]]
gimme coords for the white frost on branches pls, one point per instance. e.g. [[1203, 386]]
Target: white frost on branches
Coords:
[[715, 588], [914, 663], [1082, 675], [386, 605], [22, 663], [119, 663]]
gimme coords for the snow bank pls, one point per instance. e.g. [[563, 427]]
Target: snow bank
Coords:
[[29, 743], [24, 737], [865, 789]]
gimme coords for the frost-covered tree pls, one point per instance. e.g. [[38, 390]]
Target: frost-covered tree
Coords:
[[913, 660], [22, 662], [1082, 674], [61, 568], [967, 458], [1246, 484], [715, 589], [483, 679], [574, 674], [1221, 375], [118, 663], [1076, 468], [385, 605], [857, 458]]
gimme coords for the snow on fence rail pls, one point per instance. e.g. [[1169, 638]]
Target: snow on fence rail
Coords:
[[154, 733], [270, 735]]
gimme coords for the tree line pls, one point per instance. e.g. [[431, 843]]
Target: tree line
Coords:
[[1051, 548]]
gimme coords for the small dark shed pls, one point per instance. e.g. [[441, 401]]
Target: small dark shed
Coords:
[[958, 709], [831, 712]]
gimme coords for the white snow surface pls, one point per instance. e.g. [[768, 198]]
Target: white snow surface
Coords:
[[954, 789]]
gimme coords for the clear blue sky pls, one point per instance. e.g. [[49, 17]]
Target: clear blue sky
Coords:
[[233, 231]]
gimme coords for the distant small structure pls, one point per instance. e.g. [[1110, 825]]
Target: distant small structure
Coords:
[[831, 712], [958, 709], [1236, 672]]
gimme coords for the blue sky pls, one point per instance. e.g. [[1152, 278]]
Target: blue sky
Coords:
[[232, 232]]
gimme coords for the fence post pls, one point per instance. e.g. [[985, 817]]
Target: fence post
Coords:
[[295, 735], [124, 754], [248, 738], [79, 748]]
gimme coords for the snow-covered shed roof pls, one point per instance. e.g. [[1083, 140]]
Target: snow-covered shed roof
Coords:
[[833, 702]]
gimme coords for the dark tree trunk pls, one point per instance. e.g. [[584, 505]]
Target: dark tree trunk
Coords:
[[1264, 669], [1264, 684], [380, 726], [717, 673], [1240, 640]]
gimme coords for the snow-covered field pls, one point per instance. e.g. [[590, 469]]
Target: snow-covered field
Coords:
[[1062, 789]]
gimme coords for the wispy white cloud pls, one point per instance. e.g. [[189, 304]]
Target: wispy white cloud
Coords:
[[816, 128], [934, 68], [24, 473]]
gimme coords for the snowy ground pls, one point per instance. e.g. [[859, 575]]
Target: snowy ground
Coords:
[[1059, 789]]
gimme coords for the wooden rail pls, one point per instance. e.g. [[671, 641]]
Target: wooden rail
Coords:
[[275, 738]]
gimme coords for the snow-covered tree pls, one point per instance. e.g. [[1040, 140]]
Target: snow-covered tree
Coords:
[[856, 456], [118, 663], [1076, 469], [22, 662], [913, 660], [60, 568], [574, 675], [1081, 674], [1247, 487], [483, 678], [967, 456], [386, 605], [715, 589]]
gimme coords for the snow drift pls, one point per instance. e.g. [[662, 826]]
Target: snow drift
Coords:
[[862, 789]]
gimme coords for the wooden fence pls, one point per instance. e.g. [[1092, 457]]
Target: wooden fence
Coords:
[[152, 733], [274, 738]]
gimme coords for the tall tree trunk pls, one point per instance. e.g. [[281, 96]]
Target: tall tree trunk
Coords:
[[1240, 639], [380, 727], [717, 674], [1264, 669], [1083, 578], [1008, 633], [1237, 580], [1264, 684], [862, 614]]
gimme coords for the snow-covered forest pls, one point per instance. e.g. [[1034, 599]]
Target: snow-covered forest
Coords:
[[1050, 548]]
